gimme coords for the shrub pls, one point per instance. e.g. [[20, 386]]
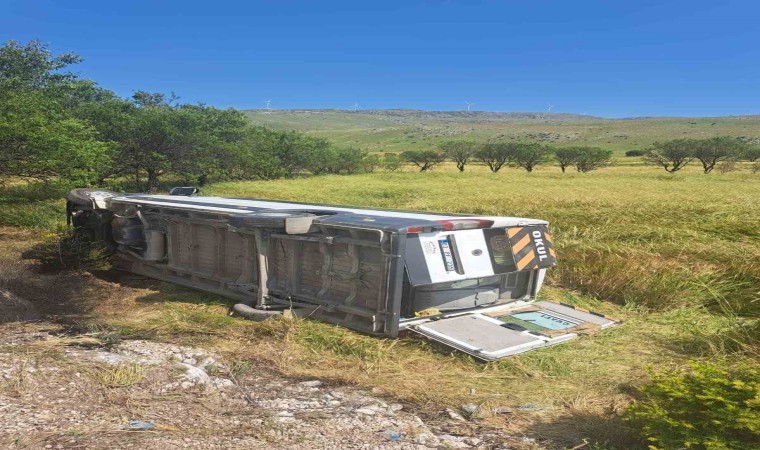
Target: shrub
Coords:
[[709, 407], [632, 153], [72, 249]]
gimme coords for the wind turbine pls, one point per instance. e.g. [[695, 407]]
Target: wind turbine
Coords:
[[550, 106], [356, 106], [469, 104], [268, 102]]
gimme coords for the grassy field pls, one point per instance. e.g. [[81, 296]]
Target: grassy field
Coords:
[[676, 257], [396, 131]]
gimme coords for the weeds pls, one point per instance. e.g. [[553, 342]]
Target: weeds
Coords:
[[70, 249], [121, 375]]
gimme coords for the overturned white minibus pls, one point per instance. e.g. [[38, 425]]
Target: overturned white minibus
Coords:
[[469, 282]]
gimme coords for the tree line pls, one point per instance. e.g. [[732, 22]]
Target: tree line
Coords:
[[56, 126], [496, 155], [720, 152]]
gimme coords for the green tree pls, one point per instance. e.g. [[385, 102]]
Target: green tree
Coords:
[[349, 160], [459, 151], [528, 156], [38, 141], [424, 159], [567, 156], [495, 155], [751, 153], [40, 136], [371, 162], [392, 162], [592, 158], [714, 150], [671, 155], [34, 67]]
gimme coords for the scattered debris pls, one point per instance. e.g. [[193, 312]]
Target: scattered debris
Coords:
[[503, 410], [455, 415], [534, 407], [140, 425], [470, 408], [393, 435]]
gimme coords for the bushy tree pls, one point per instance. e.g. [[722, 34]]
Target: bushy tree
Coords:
[[495, 155], [750, 153], [459, 151], [712, 151], [392, 162], [423, 159], [632, 153], [348, 160], [33, 67], [40, 136], [567, 156], [371, 162], [585, 159], [39, 141], [592, 158], [671, 155], [528, 156]]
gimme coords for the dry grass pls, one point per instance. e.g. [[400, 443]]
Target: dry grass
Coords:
[[120, 375]]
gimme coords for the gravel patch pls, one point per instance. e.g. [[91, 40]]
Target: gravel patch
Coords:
[[187, 398]]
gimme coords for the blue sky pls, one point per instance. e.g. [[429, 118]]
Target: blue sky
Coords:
[[608, 58]]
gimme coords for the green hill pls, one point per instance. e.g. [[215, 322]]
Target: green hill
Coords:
[[397, 130]]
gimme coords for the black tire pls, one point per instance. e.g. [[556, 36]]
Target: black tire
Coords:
[[273, 220]]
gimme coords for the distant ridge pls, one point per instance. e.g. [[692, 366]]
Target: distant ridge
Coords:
[[436, 116]]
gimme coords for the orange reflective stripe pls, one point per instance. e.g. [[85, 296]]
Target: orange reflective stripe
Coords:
[[511, 232], [520, 244], [527, 259]]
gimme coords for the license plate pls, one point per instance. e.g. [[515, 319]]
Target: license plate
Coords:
[[448, 257]]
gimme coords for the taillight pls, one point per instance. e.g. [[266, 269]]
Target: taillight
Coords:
[[415, 230], [465, 224]]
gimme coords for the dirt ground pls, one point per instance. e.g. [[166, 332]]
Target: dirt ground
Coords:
[[63, 388], [70, 392]]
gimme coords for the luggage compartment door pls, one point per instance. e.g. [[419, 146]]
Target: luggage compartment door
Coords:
[[500, 332]]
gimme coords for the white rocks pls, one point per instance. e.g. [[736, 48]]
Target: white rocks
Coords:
[[450, 441], [311, 384], [455, 415], [366, 411], [395, 407], [470, 408], [502, 410]]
